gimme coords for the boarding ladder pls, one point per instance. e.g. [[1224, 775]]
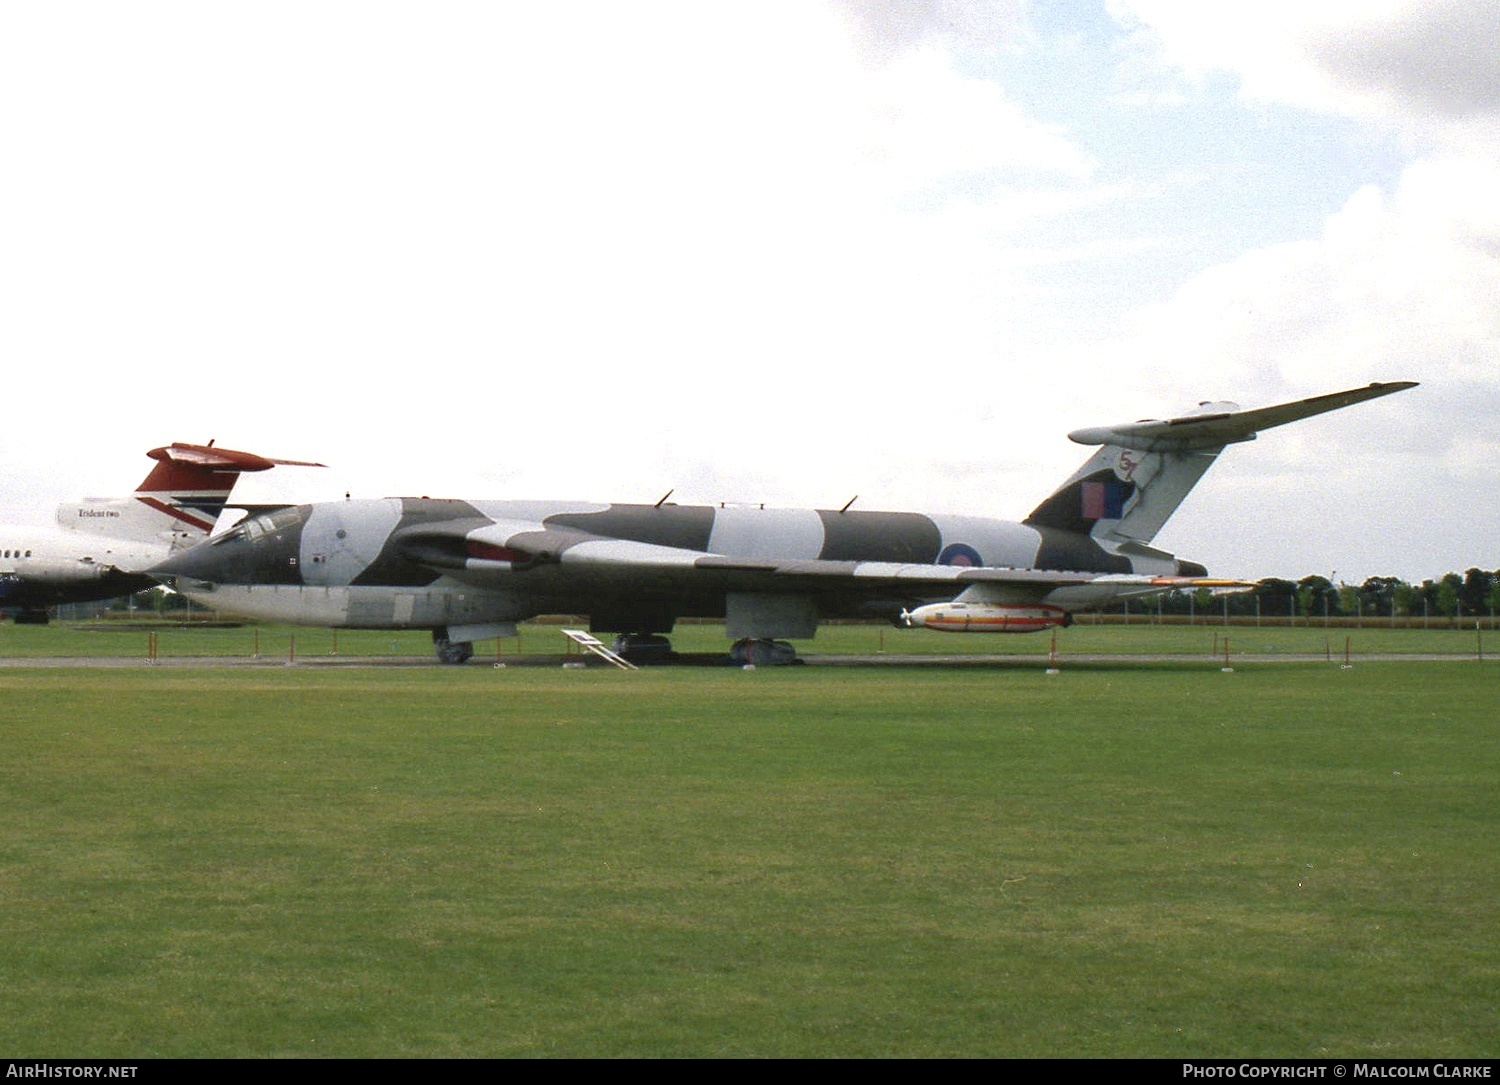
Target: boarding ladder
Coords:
[[588, 641]]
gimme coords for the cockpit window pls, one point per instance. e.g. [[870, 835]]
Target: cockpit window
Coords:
[[264, 524]]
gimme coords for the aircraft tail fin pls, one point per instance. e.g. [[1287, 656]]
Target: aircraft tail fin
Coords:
[[178, 502], [1143, 471]]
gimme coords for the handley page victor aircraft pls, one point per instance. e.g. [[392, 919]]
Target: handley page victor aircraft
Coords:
[[470, 570], [102, 545]]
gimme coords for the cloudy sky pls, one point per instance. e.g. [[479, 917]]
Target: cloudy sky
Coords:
[[768, 252]]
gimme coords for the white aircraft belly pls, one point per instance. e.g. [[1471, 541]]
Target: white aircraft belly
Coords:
[[360, 607]]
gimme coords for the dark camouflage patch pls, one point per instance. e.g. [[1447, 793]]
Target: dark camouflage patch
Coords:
[[901, 537], [1068, 551], [686, 527]]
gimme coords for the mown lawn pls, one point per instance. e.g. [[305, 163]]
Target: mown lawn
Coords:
[[1291, 860]]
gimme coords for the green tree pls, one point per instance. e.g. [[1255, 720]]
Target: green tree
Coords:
[[1448, 590], [1276, 596], [1474, 593], [1316, 596], [1408, 599], [1379, 594]]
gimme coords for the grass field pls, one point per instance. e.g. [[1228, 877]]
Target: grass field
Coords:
[[1291, 860]]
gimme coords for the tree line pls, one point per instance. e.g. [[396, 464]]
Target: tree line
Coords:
[[1472, 594]]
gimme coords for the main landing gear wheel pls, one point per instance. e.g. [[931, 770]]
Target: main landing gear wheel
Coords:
[[763, 653], [641, 648], [451, 651]]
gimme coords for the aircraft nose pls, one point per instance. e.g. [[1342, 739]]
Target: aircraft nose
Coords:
[[198, 562], [263, 550]]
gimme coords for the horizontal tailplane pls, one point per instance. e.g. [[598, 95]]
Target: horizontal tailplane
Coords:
[[1143, 471]]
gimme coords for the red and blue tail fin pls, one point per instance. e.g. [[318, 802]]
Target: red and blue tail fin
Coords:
[[178, 502]]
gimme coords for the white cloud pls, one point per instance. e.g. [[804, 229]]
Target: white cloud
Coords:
[[1429, 58], [1428, 67], [357, 226], [1405, 284], [933, 127], [1400, 286], [885, 30]]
